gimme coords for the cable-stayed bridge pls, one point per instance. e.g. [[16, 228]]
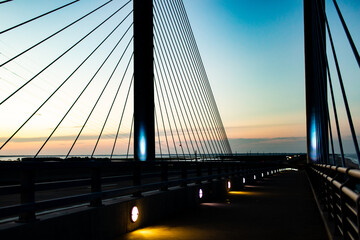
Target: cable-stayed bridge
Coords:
[[101, 104], [110, 108]]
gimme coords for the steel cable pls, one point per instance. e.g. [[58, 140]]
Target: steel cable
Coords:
[[53, 93], [37, 17]]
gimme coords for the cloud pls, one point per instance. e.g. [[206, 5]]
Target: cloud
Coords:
[[64, 138], [281, 144], [262, 125]]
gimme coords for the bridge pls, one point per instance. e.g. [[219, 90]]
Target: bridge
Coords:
[[114, 133]]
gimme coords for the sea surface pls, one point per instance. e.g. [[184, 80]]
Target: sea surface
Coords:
[[20, 157], [352, 157]]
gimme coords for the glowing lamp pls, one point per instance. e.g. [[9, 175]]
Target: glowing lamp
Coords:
[[244, 180], [262, 175], [142, 144], [134, 214], [228, 184], [314, 154], [254, 177], [201, 194]]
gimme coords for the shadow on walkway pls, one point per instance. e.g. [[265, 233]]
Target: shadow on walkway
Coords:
[[278, 207]]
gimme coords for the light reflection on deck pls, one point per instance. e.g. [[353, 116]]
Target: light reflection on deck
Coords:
[[246, 193], [166, 232]]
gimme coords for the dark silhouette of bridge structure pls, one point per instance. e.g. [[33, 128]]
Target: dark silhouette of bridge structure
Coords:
[[123, 132]]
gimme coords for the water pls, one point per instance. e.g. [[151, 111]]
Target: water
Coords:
[[352, 158], [121, 156], [20, 157], [12, 157], [180, 157]]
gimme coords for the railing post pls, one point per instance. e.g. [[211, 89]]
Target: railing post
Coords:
[[210, 171], [227, 169], [164, 176], [183, 174], [233, 169], [333, 202], [358, 217], [337, 212], [219, 170], [327, 189], [27, 194], [343, 213], [137, 177], [96, 185], [198, 172], [344, 209], [144, 123]]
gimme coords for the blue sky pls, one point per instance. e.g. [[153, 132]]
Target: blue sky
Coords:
[[253, 52]]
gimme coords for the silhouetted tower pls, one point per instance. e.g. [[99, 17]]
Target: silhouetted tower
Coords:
[[144, 127], [315, 75]]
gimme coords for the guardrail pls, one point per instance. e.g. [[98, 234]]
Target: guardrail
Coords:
[[338, 190], [88, 182]]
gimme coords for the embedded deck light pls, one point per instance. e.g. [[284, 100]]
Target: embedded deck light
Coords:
[[201, 194], [134, 214]]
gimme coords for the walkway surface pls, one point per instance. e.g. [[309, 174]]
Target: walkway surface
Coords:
[[278, 207]]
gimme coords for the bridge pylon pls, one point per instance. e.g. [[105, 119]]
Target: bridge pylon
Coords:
[[315, 81], [144, 124]]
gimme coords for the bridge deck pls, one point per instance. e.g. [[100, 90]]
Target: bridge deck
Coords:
[[279, 207]]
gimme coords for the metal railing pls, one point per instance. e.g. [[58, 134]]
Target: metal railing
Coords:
[[338, 192], [44, 186]]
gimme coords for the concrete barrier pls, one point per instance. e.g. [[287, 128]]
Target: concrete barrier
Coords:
[[113, 218]]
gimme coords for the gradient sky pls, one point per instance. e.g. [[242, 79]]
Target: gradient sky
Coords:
[[253, 53]]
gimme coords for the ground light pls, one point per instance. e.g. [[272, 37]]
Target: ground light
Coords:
[[262, 175], [254, 177], [228, 184], [244, 180], [201, 194], [134, 214]]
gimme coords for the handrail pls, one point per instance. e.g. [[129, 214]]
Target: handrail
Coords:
[[338, 189], [160, 175]]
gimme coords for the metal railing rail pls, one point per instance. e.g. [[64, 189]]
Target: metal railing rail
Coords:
[[140, 177], [338, 190]]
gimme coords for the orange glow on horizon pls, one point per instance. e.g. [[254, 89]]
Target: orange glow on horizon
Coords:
[[61, 147], [261, 131]]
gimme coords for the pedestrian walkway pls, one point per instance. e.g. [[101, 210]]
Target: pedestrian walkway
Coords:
[[278, 207]]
